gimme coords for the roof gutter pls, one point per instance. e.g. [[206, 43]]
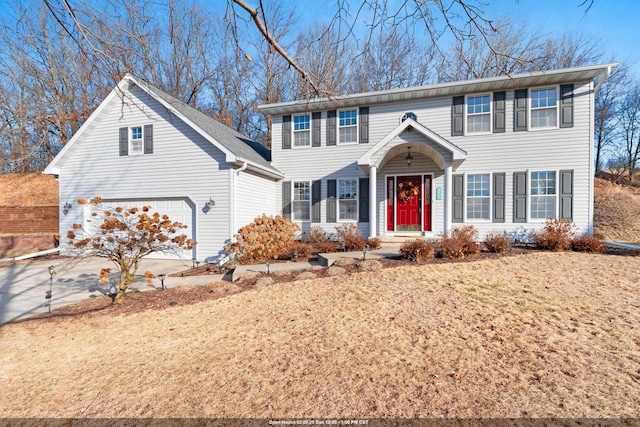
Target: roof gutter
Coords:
[[267, 172], [604, 78]]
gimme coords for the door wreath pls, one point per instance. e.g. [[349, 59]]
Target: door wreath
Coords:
[[407, 191]]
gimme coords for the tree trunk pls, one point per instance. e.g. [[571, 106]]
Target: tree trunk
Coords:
[[125, 281]]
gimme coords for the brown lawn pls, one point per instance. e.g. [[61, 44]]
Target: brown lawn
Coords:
[[536, 335]]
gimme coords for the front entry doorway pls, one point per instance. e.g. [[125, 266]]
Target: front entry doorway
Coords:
[[409, 203]]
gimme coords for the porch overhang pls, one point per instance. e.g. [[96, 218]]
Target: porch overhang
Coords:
[[377, 154]]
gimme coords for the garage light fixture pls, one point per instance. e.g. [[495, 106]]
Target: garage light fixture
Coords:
[[66, 208], [211, 203]]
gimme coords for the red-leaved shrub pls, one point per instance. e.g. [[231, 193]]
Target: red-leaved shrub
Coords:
[[417, 250], [497, 242], [555, 236], [350, 236], [588, 243]]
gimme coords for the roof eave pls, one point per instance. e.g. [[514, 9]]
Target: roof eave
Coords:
[[443, 89]]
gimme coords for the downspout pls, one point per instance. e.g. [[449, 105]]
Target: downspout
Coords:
[[234, 219]]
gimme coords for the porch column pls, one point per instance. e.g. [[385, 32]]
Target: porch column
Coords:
[[373, 170], [448, 196]]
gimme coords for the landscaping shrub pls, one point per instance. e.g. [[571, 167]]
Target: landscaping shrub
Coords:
[[304, 249], [460, 243], [327, 246], [316, 235], [349, 235], [497, 242], [265, 238], [417, 250], [374, 242], [555, 236], [588, 243]]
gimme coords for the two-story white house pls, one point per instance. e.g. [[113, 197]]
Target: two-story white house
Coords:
[[502, 153]]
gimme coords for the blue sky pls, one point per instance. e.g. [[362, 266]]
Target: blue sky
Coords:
[[613, 24]]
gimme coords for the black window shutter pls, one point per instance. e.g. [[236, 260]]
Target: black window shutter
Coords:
[[286, 132], [498, 197], [331, 127], [519, 197], [124, 141], [457, 116], [364, 125], [315, 201], [566, 195], [363, 200], [148, 139], [520, 110], [499, 111], [286, 199], [315, 129], [458, 199], [566, 106], [331, 200]]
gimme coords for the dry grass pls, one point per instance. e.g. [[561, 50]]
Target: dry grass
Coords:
[[28, 189], [617, 211], [508, 337]]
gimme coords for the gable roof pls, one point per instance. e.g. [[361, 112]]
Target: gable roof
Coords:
[[489, 84], [236, 147]]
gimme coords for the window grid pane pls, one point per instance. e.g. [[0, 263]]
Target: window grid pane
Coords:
[[302, 138], [136, 139], [301, 201], [301, 131], [543, 108], [347, 124], [348, 199], [478, 114], [543, 195], [478, 192]]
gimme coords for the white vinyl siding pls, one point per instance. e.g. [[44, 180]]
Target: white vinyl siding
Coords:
[[348, 126], [347, 200], [544, 110], [543, 195], [301, 201], [302, 131], [136, 145], [478, 196], [478, 114]]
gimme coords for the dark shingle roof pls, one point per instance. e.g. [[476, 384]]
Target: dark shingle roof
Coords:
[[229, 138]]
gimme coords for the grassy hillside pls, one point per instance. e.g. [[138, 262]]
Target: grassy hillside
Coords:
[[617, 211], [28, 189], [508, 337]]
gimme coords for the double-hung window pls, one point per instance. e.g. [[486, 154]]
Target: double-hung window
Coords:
[[348, 126], [543, 195], [135, 141], [479, 114], [544, 109], [347, 199], [301, 201], [301, 131], [478, 196]]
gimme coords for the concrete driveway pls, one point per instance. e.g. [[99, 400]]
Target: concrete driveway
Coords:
[[23, 285]]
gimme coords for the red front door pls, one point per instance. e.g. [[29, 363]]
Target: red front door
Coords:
[[427, 203], [408, 197]]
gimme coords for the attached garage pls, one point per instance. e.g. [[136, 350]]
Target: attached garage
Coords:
[[178, 209]]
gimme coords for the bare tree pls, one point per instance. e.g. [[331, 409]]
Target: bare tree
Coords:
[[608, 105], [629, 130]]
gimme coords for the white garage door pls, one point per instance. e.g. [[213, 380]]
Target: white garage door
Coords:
[[179, 210]]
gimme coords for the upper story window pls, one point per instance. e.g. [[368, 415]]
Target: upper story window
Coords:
[[347, 199], [543, 195], [301, 201], [136, 145], [544, 110], [348, 126], [478, 196], [301, 131], [479, 114]]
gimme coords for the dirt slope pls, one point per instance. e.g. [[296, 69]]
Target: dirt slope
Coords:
[[509, 337], [617, 211], [28, 189]]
